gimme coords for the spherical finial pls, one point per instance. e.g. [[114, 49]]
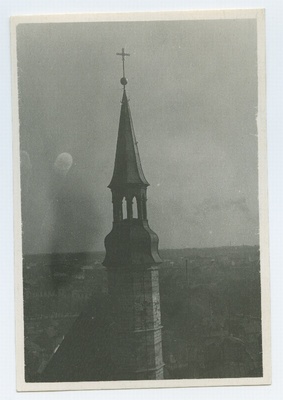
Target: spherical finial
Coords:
[[124, 81]]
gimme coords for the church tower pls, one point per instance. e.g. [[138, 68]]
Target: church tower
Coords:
[[132, 261]]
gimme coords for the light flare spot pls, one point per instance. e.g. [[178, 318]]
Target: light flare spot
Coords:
[[63, 163]]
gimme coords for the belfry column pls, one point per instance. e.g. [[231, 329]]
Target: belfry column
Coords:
[[132, 261]]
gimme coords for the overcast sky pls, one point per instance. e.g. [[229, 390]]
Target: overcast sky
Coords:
[[193, 97]]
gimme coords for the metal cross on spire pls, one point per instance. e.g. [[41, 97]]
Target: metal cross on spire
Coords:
[[123, 80]]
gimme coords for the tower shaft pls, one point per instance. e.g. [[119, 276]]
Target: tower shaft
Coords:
[[136, 330]]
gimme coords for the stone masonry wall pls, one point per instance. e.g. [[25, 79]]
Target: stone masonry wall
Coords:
[[136, 330]]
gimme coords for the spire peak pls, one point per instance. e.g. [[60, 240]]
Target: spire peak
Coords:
[[123, 80]]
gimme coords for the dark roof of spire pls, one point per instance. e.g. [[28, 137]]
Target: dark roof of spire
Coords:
[[127, 169]]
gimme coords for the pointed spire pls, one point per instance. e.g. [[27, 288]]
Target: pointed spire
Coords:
[[127, 168]]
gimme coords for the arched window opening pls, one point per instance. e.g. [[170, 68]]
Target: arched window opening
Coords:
[[135, 208], [124, 208], [129, 208]]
